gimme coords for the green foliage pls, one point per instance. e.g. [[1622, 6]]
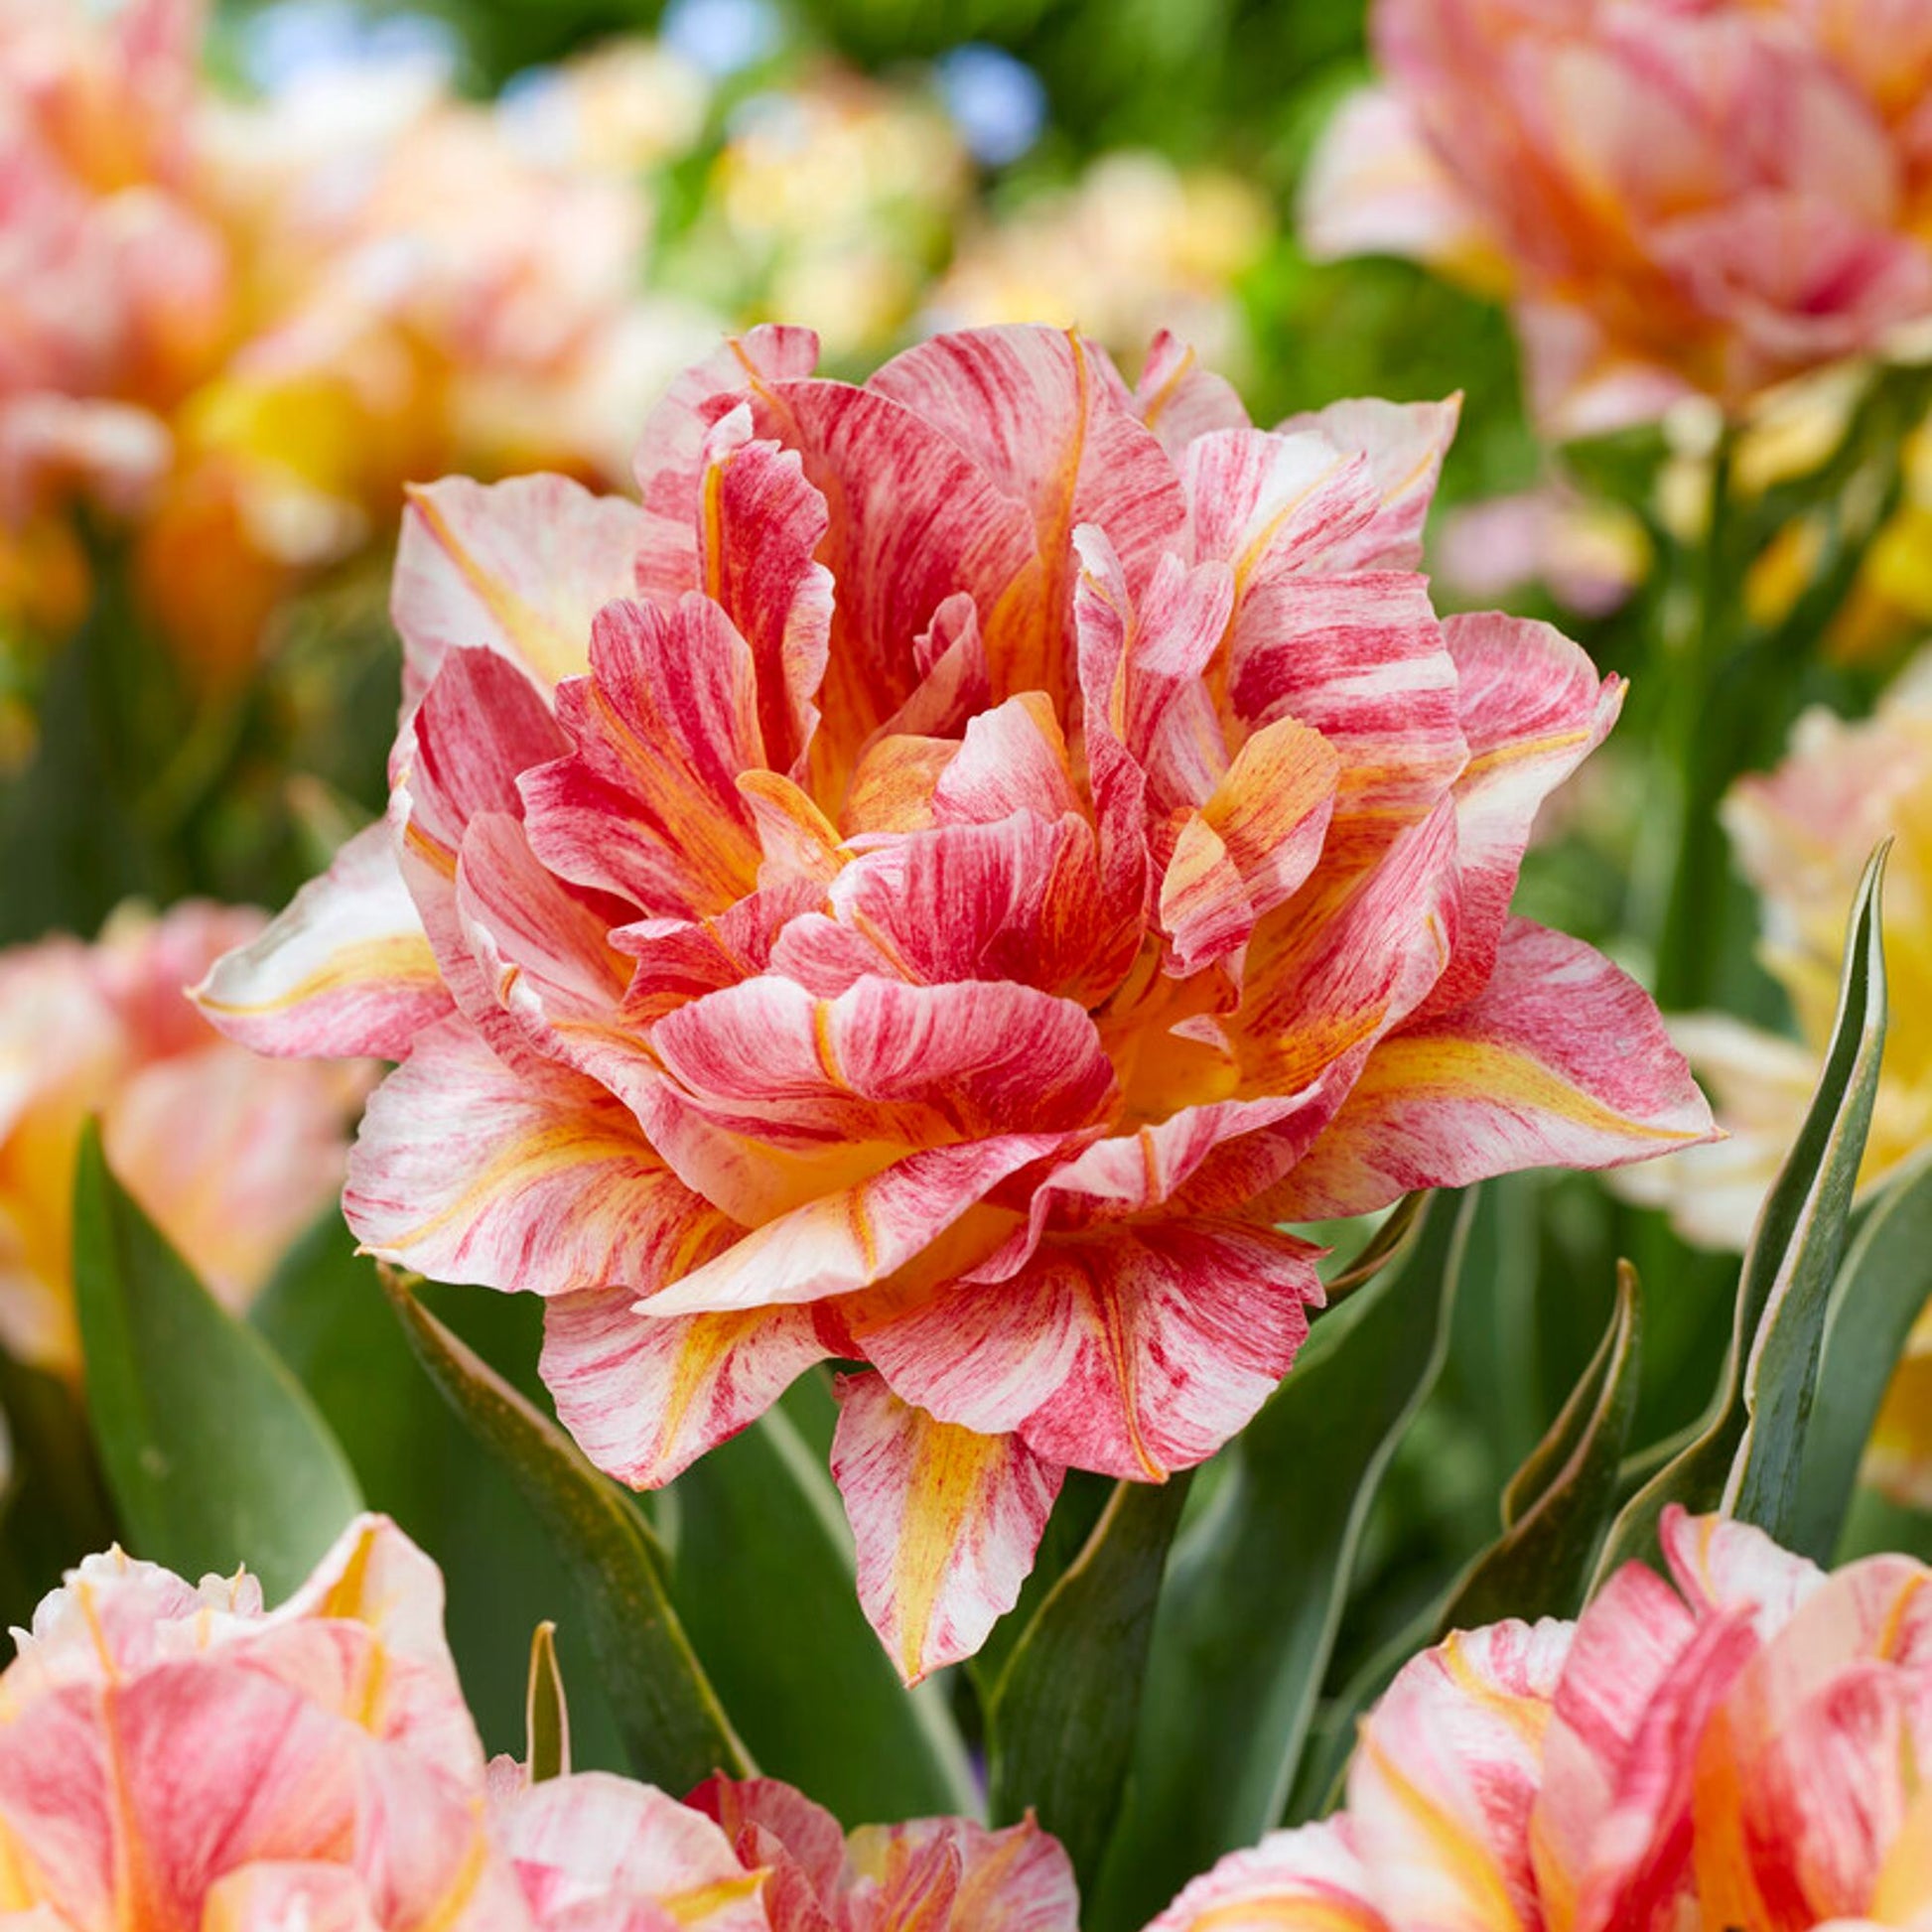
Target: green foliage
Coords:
[[674, 1726], [546, 1725], [214, 1453]]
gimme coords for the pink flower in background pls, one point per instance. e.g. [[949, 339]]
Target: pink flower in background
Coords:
[[1746, 1748], [176, 1757], [1678, 197], [231, 1158], [934, 887]]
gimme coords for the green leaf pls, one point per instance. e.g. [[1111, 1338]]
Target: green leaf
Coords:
[[765, 1584], [57, 1507], [213, 1452], [1063, 1718], [672, 1723], [1557, 1504], [1747, 1454], [1392, 1240], [546, 1720], [1880, 1291], [1257, 1583]]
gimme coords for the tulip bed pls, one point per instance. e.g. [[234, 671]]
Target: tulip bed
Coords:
[[994, 1179]]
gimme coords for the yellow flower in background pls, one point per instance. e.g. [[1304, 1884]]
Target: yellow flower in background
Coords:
[[1801, 836], [233, 1156], [1134, 246]]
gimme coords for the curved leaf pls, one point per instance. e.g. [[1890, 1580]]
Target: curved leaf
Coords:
[[1257, 1581], [1885, 1282], [764, 1582], [1557, 1504], [213, 1450], [1063, 1718], [1747, 1454], [673, 1726], [546, 1722]]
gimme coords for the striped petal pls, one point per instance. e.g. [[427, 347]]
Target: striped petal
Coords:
[[344, 971], [1132, 1354], [1532, 708], [1443, 1778], [518, 568], [1306, 1880], [773, 1097], [1405, 444], [645, 805], [597, 1852], [644, 1397], [1180, 398], [468, 1171], [1560, 1061], [946, 1522], [1018, 1880]]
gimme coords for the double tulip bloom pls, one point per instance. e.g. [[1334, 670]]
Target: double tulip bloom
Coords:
[[1744, 1747], [1678, 197], [935, 885], [178, 1758]]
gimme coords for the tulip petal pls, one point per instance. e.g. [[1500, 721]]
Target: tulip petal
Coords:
[[645, 1397], [537, 1180], [1019, 1879], [601, 1849], [1178, 398], [946, 1522], [1136, 1351], [518, 568], [1306, 1880], [647, 804], [1442, 1785], [344, 971], [1405, 444], [1560, 1060], [1532, 709]]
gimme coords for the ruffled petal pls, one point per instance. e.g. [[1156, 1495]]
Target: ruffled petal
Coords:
[[946, 1522], [344, 971], [537, 1180], [1306, 1880], [1405, 444], [645, 1397], [518, 568], [1560, 1061]]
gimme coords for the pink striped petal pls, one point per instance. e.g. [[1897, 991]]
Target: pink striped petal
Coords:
[[597, 1852], [1723, 1566], [1443, 1778], [955, 683], [644, 1397], [344, 971], [1405, 444], [1013, 759], [1132, 1354], [1045, 417], [469, 1171], [1306, 1880], [1532, 709], [646, 806], [1179, 399], [1560, 1061], [946, 1522], [1275, 505], [801, 1845], [840, 1087], [518, 568], [1018, 1880]]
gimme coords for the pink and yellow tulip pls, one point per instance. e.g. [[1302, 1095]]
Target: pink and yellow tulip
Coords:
[[1741, 1749], [1677, 197], [933, 886], [230, 1156]]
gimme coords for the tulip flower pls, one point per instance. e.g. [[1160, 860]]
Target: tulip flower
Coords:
[[934, 887], [1677, 199], [231, 1159], [1742, 1747], [1801, 836], [173, 1755]]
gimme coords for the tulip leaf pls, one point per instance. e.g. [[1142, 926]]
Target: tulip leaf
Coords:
[[1257, 1581], [1063, 1717], [1746, 1455], [214, 1453], [1386, 1245], [1557, 1504], [764, 1583], [1885, 1282], [546, 1719], [672, 1723]]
